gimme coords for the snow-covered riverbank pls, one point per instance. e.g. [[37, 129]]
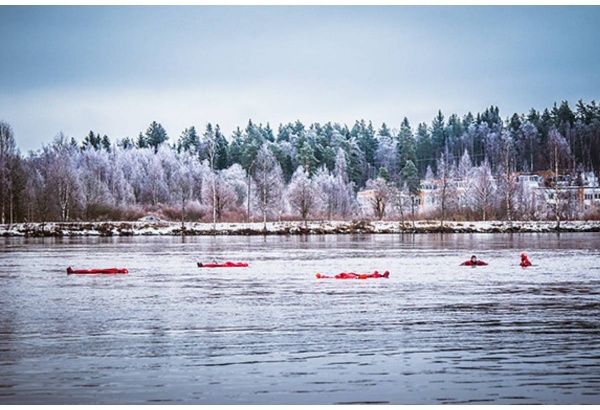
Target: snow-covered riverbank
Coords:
[[286, 228]]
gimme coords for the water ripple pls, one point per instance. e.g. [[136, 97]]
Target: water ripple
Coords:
[[170, 333]]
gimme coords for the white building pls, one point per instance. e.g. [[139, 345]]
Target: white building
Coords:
[[538, 193]]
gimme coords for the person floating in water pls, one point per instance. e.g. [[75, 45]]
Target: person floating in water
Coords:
[[525, 262], [473, 262], [352, 275]]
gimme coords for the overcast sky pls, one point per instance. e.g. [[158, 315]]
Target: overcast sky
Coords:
[[114, 70]]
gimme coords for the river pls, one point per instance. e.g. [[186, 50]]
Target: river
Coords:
[[272, 333]]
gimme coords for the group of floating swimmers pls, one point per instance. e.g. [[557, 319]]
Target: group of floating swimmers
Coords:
[[344, 275], [525, 262]]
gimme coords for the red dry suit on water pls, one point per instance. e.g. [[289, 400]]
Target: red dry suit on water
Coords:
[[107, 270], [352, 275], [227, 264], [525, 262], [477, 263]]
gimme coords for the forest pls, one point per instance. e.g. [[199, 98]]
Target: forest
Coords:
[[298, 171]]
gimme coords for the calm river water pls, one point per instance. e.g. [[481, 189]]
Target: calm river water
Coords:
[[433, 333]]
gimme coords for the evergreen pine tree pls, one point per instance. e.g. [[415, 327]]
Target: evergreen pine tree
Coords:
[[155, 135]]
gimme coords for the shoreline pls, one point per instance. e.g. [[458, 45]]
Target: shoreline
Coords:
[[163, 228]]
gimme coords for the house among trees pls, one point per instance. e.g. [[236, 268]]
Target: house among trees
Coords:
[[537, 196]]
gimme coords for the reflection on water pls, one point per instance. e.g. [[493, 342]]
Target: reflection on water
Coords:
[[169, 332]]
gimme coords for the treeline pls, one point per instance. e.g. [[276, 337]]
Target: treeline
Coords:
[[296, 171]]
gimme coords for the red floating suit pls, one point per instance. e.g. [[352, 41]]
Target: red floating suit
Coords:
[[223, 265], [477, 263], [525, 262], [111, 271], [352, 275]]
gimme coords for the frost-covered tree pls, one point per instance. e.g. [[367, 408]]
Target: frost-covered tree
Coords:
[[464, 167], [464, 181], [401, 200], [221, 195], [134, 163], [506, 168], [484, 190], [170, 163], [268, 180], [527, 146], [480, 138], [302, 195], [243, 150], [468, 140], [381, 196], [234, 176], [121, 191], [559, 155], [445, 192], [94, 170], [155, 187], [8, 158], [182, 183], [386, 155], [62, 175], [343, 188], [494, 149], [559, 152], [526, 202], [210, 147], [37, 205], [412, 184], [325, 186]]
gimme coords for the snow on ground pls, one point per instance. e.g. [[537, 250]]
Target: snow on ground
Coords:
[[287, 228]]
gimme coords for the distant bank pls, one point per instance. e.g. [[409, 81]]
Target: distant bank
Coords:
[[58, 229]]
